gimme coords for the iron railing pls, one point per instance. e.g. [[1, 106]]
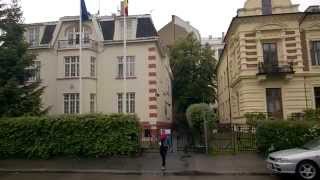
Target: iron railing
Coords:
[[75, 44], [275, 69]]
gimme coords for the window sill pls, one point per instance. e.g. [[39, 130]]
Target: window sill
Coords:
[[77, 78], [128, 78]]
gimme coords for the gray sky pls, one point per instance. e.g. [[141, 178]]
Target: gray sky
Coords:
[[211, 17]]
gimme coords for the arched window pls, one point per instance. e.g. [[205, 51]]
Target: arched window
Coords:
[[73, 35]]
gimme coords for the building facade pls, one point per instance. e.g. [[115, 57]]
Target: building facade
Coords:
[[102, 68], [176, 29], [216, 44], [270, 62]]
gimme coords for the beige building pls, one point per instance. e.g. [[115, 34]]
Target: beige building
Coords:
[[176, 29], [271, 61], [58, 66]]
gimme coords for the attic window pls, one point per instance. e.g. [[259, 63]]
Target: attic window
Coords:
[[266, 7]]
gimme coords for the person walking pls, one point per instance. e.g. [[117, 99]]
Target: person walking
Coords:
[[163, 150]]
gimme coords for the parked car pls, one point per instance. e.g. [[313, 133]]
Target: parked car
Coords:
[[303, 161]]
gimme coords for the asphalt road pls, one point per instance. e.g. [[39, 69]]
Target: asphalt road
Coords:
[[110, 177]]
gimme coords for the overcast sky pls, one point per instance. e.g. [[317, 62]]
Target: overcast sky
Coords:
[[211, 17]]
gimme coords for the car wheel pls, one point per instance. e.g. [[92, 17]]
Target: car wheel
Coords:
[[307, 170]]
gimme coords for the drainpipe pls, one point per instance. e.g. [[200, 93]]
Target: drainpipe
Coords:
[[304, 76], [305, 91], [230, 112]]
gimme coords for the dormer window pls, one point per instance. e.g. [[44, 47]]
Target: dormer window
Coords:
[[34, 33], [266, 7], [130, 29], [73, 35]]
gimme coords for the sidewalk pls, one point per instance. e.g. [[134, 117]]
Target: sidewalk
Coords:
[[177, 164]]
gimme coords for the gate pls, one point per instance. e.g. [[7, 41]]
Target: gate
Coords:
[[234, 138]]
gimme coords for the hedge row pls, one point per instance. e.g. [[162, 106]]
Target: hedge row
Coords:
[[83, 136], [280, 135]]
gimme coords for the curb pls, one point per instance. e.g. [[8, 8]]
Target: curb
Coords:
[[134, 172]]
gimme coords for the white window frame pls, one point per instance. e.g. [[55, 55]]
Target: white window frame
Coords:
[[120, 102], [73, 35], [71, 103], [130, 30], [93, 98], [130, 103], [93, 66], [35, 71], [71, 66], [34, 36], [130, 67]]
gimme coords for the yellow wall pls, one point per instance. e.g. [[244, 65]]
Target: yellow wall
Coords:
[[243, 53]]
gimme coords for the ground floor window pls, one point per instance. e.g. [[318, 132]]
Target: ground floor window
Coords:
[[130, 105], [274, 103], [317, 97], [71, 103], [92, 103]]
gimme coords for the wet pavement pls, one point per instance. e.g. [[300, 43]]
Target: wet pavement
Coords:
[[54, 176]]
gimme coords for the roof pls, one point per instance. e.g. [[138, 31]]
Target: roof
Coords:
[[107, 28], [145, 28], [48, 34]]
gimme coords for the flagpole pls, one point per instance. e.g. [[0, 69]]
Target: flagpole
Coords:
[[125, 59], [80, 64]]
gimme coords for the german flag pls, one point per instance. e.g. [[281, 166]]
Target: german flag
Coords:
[[126, 7]]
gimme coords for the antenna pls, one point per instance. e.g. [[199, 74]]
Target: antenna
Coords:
[[99, 4]]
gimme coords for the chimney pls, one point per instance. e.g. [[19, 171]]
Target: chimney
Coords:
[[210, 37], [222, 35]]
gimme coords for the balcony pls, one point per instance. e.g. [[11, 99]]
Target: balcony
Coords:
[[75, 44], [275, 70]]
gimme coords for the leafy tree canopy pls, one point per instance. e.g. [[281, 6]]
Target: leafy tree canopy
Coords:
[[17, 95], [193, 69]]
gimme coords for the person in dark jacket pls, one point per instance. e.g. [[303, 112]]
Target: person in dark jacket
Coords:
[[163, 151]]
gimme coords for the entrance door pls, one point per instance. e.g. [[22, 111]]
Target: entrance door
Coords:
[[274, 103]]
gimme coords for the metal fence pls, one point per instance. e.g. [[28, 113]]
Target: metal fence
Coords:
[[234, 138]]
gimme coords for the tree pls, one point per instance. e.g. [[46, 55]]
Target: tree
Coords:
[[197, 115], [17, 96], [193, 69]]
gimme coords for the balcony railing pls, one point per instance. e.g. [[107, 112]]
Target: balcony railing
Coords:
[[75, 44], [275, 69]]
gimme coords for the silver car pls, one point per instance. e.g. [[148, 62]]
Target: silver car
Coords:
[[303, 161]]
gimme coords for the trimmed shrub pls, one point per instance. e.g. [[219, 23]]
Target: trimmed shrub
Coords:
[[195, 116], [279, 135], [84, 136], [252, 119], [312, 115]]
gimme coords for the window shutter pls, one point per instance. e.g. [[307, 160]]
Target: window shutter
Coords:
[[312, 53]]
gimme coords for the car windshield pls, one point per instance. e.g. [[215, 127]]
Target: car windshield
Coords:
[[312, 145]]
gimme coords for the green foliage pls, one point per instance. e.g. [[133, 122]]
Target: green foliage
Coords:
[[312, 115], [280, 135], [253, 119], [193, 69], [196, 115], [84, 136], [17, 96]]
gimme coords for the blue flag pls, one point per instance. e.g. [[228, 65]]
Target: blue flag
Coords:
[[85, 15]]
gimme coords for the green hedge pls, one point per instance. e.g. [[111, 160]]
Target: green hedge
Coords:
[[312, 115], [280, 135], [84, 136]]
